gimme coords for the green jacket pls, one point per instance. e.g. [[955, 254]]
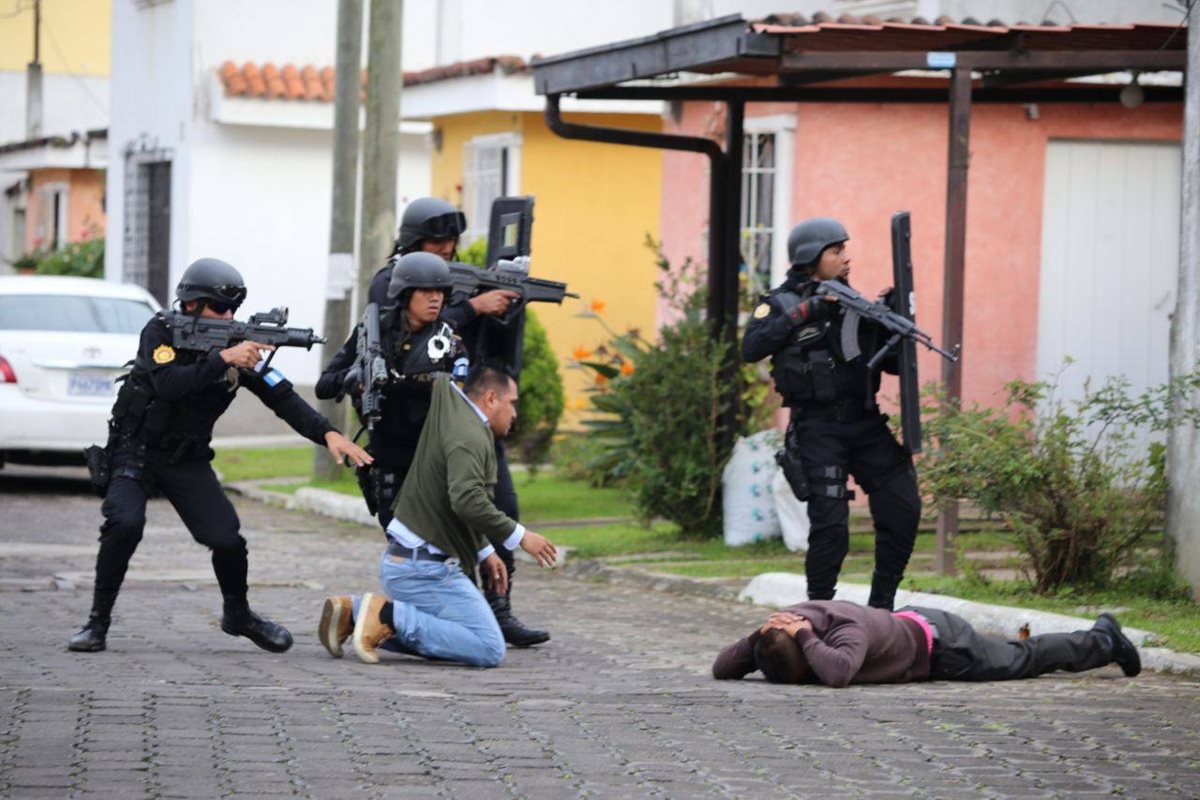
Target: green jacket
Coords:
[[447, 495]]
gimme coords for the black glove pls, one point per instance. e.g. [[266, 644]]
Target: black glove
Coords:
[[810, 310]]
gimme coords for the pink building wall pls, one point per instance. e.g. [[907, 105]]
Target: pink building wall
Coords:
[[860, 163]]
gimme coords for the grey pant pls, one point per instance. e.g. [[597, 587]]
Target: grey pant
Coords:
[[960, 653]]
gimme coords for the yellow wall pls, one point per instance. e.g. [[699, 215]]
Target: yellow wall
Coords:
[[75, 36], [595, 203]]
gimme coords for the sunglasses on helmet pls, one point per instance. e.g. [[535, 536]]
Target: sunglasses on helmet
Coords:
[[445, 226], [220, 308], [232, 292]]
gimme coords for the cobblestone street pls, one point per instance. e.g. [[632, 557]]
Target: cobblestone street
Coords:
[[618, 704]]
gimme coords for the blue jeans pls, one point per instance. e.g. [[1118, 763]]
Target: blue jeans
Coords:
[[439, 613]]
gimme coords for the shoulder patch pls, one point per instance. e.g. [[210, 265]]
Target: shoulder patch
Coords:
[[164, 354], [762, 310]]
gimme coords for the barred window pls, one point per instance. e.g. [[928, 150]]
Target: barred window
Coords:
[[758, 208]]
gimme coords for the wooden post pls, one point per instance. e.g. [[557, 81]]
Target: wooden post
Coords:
[[381, 143], [1183, 441], [953, 279], [341, 278]]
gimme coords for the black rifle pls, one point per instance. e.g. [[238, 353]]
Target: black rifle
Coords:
[[370, 368], [511, 275], [900, 326], [192, 332]]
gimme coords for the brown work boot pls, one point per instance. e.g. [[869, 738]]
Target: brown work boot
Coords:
[[369, 632], [337, 623]]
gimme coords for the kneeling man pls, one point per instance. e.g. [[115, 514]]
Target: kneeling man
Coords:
[[443, 518], [837, 643]]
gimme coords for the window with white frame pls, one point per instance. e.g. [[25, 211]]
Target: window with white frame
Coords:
[[766, 199], [758, 208], [491, 169]]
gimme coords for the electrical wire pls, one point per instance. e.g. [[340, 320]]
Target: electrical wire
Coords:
[[18, 8], [75, 76]]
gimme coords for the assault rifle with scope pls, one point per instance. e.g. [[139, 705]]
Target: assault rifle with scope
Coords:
[[512, 275], [209, 333]]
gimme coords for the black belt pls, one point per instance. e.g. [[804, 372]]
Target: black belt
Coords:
[[840, 412], [394, 548]]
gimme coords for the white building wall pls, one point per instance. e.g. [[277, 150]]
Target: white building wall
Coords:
[[69, 103], [264, 207], [151, 109]]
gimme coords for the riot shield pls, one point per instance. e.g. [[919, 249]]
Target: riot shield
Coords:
[[509, 229], [509, 233], [904, 303]]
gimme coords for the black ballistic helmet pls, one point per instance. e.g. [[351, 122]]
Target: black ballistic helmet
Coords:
[[429, 218], [809, 239], [418, 271], [211, 279]]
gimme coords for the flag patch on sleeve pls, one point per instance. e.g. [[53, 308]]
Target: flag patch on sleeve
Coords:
[[273, 378]]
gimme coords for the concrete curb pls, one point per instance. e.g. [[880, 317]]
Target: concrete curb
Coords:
[[771, 589]]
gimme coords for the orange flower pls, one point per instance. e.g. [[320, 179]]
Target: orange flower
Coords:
[[580, 353], [626, 368], [597, 306], [600, 379]]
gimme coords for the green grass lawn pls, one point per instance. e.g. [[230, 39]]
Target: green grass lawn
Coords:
[[249, 464], [1176, 620]]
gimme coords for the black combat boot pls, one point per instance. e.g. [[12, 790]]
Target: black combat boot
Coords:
[[239, 620], [883, 590], [91, 638], [515, 632]]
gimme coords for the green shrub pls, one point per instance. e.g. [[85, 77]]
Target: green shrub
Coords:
[[83, 259], [662, 410], [1066, 477], [542, 396]]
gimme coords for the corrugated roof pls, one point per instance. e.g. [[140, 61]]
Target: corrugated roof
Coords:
[[824, 32], [269, 81]]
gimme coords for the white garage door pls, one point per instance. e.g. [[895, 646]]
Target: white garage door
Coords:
[[1110, 254]]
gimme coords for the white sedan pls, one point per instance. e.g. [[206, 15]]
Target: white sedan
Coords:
[[63, 341]]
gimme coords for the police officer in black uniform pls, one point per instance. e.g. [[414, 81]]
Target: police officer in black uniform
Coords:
[[836, 428], [432, 225], [158, 444], [418, 346]]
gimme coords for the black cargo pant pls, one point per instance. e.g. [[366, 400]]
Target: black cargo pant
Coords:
[[193, 489], [960, 653], [829, 450], [390, 479]]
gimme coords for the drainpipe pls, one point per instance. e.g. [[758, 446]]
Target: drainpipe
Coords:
[[724, 192]]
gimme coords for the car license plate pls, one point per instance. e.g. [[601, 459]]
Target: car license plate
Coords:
[[90, 384]]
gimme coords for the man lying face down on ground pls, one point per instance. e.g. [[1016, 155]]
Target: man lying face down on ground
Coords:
[[836, 643]]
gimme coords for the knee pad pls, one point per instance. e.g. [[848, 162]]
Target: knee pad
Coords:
[[124, 525], [228, 545]]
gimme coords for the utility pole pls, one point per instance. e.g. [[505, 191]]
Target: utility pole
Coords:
[[341, 279], [1183, 441], [381, 142], [33, 79]]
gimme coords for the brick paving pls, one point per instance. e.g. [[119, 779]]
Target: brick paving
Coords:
[[618, 704]]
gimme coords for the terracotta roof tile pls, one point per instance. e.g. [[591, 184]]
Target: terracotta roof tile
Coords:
[[310, 82]]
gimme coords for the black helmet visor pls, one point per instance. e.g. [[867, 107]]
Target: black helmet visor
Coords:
[[232, 293], [444, 226]]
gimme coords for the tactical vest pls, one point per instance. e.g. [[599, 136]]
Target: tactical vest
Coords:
[[809, 369]]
